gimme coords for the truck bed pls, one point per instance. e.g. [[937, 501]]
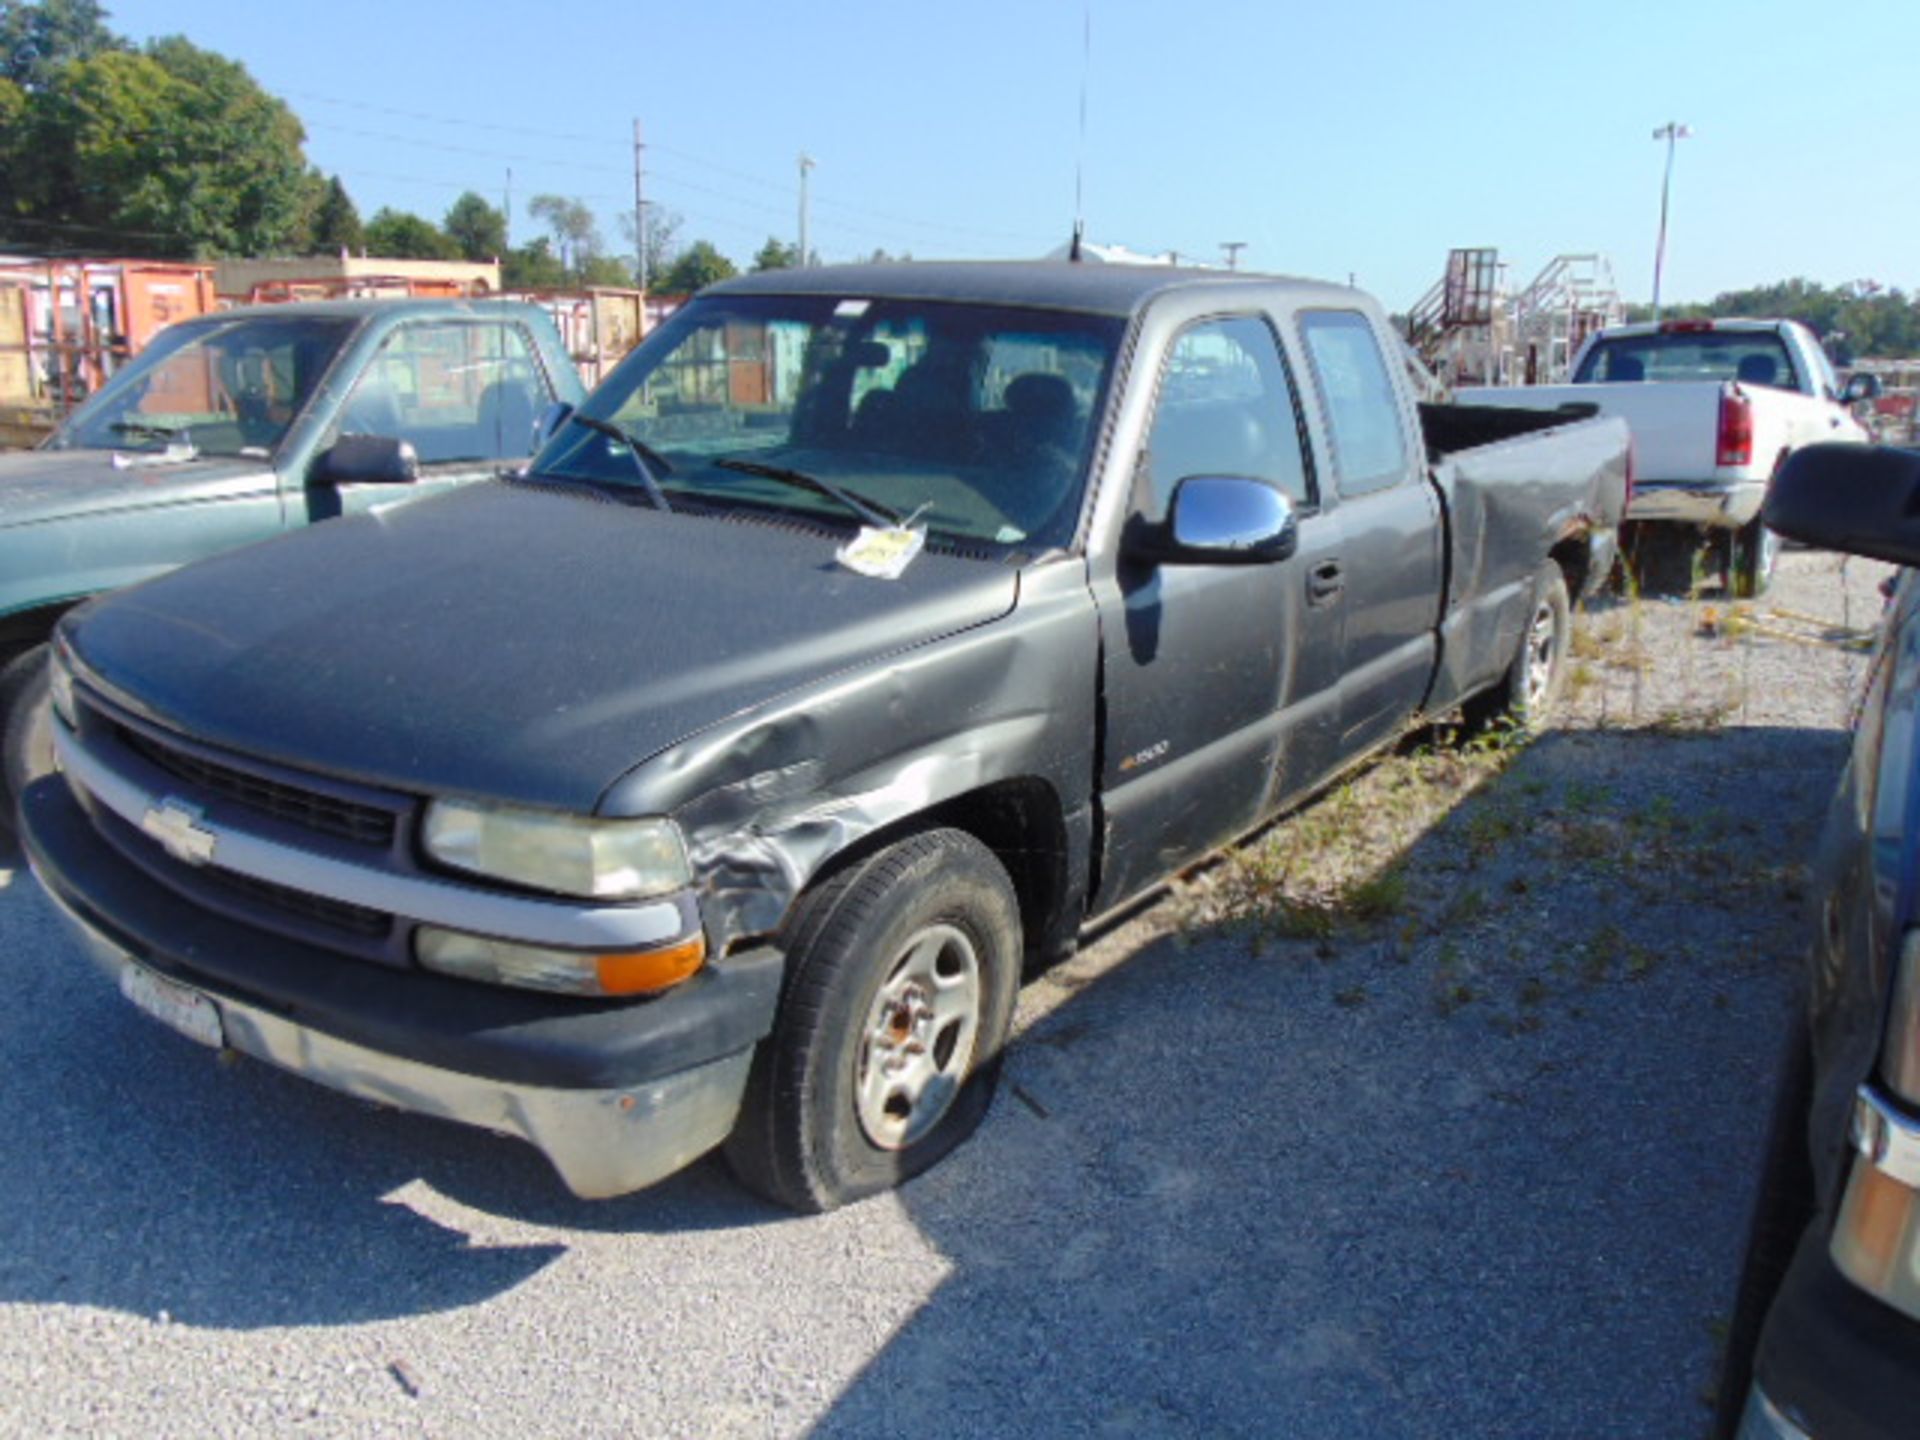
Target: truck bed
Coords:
[[1448, 429], [1503, 476]]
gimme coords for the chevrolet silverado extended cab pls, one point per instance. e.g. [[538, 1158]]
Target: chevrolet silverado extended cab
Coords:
[[867, 632], [1715, 407], [237, 426]]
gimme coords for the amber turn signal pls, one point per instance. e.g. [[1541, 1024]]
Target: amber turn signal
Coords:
[[650, 971]]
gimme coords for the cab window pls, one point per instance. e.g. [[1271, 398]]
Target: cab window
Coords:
[[1226, 407], [456, 391], [1357, 397]]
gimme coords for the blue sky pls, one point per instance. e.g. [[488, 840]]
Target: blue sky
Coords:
[[1363, 137]]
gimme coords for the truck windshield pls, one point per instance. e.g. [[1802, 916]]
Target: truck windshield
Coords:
[[227, 388], [1755, 357], [975, 419]]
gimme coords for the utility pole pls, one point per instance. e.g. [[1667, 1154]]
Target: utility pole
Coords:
[[1233, 249], [639, 213], [806, 164], [508, 234], [1670, 132]]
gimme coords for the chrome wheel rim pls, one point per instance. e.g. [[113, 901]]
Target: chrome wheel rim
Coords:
[[1541, 645], [917, 1044]]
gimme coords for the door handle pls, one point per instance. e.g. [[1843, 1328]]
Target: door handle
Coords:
[[1324, 582]]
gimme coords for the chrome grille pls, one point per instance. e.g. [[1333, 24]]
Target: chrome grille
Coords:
[[356, 919], [311, 809]]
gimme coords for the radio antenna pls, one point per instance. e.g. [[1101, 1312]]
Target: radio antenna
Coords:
[[1080, 157]]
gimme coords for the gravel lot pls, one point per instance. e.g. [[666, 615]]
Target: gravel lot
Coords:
[[1433, 1113]]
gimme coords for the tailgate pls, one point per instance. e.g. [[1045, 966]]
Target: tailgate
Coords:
[[1676, 427]]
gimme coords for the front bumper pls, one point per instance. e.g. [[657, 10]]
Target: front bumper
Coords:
[[616, 1094], [1721, 504]]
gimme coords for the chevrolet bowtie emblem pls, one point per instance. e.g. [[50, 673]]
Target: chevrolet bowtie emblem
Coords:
[[176, 825]]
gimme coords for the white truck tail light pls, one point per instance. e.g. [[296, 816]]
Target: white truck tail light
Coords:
[[1735, 443]]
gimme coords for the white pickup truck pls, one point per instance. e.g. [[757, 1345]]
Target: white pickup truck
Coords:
[[1715, 406]]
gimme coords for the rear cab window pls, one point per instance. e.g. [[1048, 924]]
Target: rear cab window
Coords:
[[1753, 357], [1357, 396]]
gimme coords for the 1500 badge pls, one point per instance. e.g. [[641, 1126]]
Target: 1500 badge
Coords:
[[1146, 756]]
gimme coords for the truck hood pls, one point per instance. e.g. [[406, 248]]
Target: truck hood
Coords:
[[509, 641], [41, 485]]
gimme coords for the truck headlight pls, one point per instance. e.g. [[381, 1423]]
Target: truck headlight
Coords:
[[569, 854], [567, 972]]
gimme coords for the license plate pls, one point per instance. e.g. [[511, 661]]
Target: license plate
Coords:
[[188, 1011]]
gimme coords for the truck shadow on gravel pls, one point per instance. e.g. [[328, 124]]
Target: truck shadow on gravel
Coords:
[[1361, 1181], [145, 1174], [1474, 1159]]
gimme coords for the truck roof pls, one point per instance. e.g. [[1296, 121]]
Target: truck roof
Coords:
[[362, 309], [1102, 288], [1654, 327]]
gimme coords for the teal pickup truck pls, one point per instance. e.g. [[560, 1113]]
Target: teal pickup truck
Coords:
[[241, 425]]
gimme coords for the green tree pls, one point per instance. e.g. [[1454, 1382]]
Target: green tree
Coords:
[[402, 235], [532, 266], [776, 255], [697, 267], [171, 151], [36, 40], [336, 222], [575, 231], [476, 228], [1861, 319], [663, 231], [607, 270]]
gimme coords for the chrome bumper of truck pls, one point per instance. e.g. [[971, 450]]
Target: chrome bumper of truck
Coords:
[[1724, 505], [603, 1142]]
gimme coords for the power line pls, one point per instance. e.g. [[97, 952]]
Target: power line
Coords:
[[468, 124], [783, 186]]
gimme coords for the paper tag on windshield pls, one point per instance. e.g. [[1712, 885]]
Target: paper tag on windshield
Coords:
[[882, 553]]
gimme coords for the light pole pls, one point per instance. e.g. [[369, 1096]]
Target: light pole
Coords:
[[1671, 132], [1233, 249], [806, 164]]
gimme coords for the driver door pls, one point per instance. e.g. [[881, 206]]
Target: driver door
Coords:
[[1221, 682]]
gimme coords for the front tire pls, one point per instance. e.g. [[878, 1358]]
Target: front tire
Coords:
[[1527, 693], [902, 973]]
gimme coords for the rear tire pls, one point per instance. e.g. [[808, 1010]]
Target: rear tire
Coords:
[[26, 732], [1754, 551], [901, 975], [1527, 693]]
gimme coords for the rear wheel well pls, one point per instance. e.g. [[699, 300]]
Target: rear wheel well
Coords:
[[1573, 556]]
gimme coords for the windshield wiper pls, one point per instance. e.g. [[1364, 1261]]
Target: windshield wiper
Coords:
[[871, 511], [149, 431], [645, 457]]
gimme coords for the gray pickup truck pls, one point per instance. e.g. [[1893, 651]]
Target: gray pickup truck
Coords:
[[866, 634], [230, 428]]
